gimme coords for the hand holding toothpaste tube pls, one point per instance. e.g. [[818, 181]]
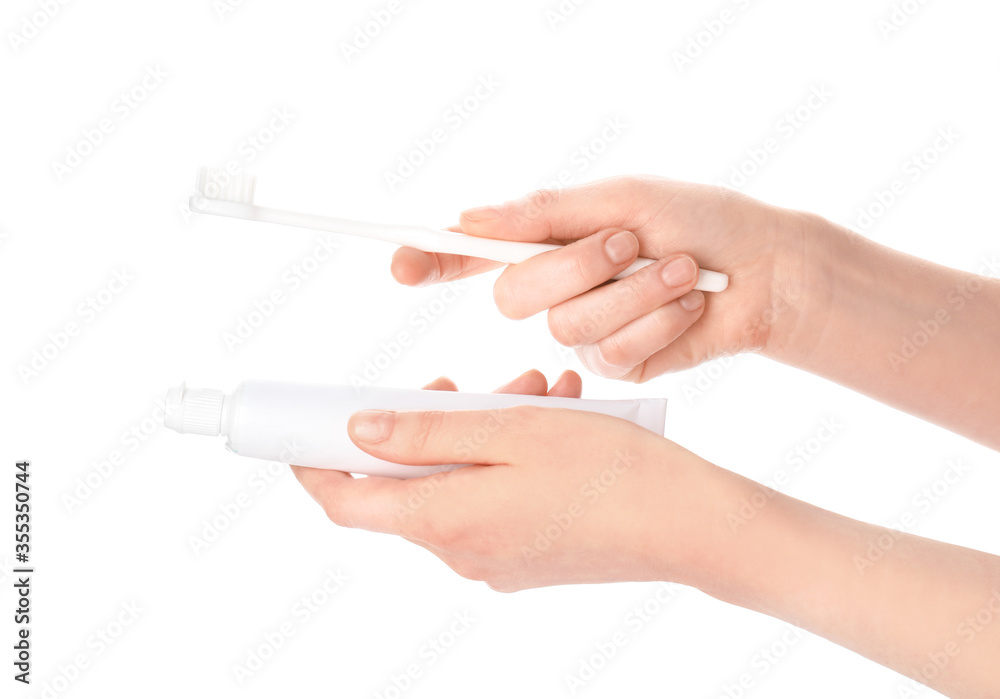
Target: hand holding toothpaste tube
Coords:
[[565, 496], [557, 496]]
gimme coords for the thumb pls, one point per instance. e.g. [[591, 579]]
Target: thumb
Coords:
[[558, 214], [428, 437]]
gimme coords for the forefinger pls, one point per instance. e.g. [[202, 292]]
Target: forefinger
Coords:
[[374, 503], [413, 267], [417, 268]]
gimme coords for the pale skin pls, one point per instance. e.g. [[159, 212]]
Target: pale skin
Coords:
[[639, 507]]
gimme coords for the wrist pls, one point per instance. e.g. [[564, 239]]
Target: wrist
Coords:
[[812, 256], [755, 548], [698, 532]]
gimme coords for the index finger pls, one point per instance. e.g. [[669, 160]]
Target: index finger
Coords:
[[375, 503], [413, 267], [563, 214]]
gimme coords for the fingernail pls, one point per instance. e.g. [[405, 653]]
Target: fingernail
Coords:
[[679, 272], [372, 425], [620, 247], [482, 213], [692, 300]]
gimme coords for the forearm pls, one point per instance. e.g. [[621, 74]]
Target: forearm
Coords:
[[928, 610], [911, 334]]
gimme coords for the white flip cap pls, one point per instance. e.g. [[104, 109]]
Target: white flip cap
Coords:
[[194, 410]]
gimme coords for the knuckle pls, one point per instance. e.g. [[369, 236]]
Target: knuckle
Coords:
[[438, 531], [467, 569], [527, 214], [505, 581], [502, 585], [585, 354], [577, 266], [536, 202], [638, 375], [631, 181], [426, 424], [519, 419], [334, 511], [635, 183], [635, 291], [663, 321], [614, 352], [590, 356], [479, 547], [458, 537], [506, 300], [564, 325]]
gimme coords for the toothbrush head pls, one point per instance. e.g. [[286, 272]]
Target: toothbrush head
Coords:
[[220, 184]]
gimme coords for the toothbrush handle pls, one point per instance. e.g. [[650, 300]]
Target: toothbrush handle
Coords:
[[426, 239], [512, 252]]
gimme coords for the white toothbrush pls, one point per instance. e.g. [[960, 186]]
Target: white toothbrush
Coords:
[[228, 195]]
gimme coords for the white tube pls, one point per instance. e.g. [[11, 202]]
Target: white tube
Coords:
[[307, 424]]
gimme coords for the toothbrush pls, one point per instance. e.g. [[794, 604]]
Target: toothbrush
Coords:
[[233, 196]]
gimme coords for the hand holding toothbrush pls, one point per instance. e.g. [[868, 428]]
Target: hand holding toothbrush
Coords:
[[803, 291], [652, 321]]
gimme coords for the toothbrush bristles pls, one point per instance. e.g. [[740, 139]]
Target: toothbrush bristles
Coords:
[[219, 184]]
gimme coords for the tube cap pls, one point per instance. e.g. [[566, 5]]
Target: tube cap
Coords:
[[194, 410]]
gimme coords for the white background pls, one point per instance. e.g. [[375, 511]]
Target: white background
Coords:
[[193, 279]]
